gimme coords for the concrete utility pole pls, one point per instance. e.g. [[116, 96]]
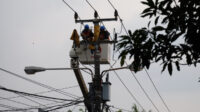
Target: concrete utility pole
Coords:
[[97, 80], [81, 82]]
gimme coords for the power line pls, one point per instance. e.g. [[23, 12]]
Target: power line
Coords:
[[17, 109], [58, 89], [119, 17], [40, 84], [34, 95], [7, 106], [63, 106], [31, 100], [25, 109], [10, 107], [15, 101], [146, 71], [18, 92], [91, 5], [3, 88], [95, 11], [157, 91], [75, 13], [43, 92], [69, 6], [144, 91], [128, 89]]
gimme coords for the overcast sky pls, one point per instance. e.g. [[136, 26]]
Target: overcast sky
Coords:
[[37, 32]]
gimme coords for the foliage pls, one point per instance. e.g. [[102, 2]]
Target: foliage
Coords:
[[119, 111], [171, 22]]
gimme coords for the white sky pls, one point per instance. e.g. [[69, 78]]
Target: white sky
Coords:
[[37, 32]]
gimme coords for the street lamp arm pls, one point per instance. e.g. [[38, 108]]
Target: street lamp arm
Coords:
[[70, 69], [102, 73], [34, 69]]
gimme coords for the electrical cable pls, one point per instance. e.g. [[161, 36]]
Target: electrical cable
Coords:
[[36, 102], [23, 78], [10, 107], [69, 6], [128, 90], [31, 107], [15, 101], [157, 90], [91, 6], [58, 89], [40, 84], [145, 70], [95, 11], [25, 109], [34, 95], [3, 88], [64, 105], [72, 10], [7, 106], [18, 109], [9, 98], [119, 17], [144, 91]]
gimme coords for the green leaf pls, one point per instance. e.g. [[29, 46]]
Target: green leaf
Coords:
[[188, 58], [150, 3], [147, 64], [122, 60], [175, 37], [156, 20], [158, 58], [177, 66], [170, 68], [145, 3], [185, 47], [158, 28], [149, 24], [156, 2], [165, 20], [164, 67], [146, 10], [147, 14], [129, 32]]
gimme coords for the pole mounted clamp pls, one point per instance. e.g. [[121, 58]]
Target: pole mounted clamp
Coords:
[[74, 63]]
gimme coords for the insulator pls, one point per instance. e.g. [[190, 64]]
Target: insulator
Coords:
[[95, 14], [116, 14], [75, 16]]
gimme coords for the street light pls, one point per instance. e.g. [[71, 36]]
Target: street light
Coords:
[[33, 69]]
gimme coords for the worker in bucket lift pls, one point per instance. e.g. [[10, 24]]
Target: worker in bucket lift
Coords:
[[104, 34], [87, 34]]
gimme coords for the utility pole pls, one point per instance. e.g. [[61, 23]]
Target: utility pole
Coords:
[[97, 80], [81, 82]]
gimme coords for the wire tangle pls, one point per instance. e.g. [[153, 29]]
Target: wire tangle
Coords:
[[40, 84]]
